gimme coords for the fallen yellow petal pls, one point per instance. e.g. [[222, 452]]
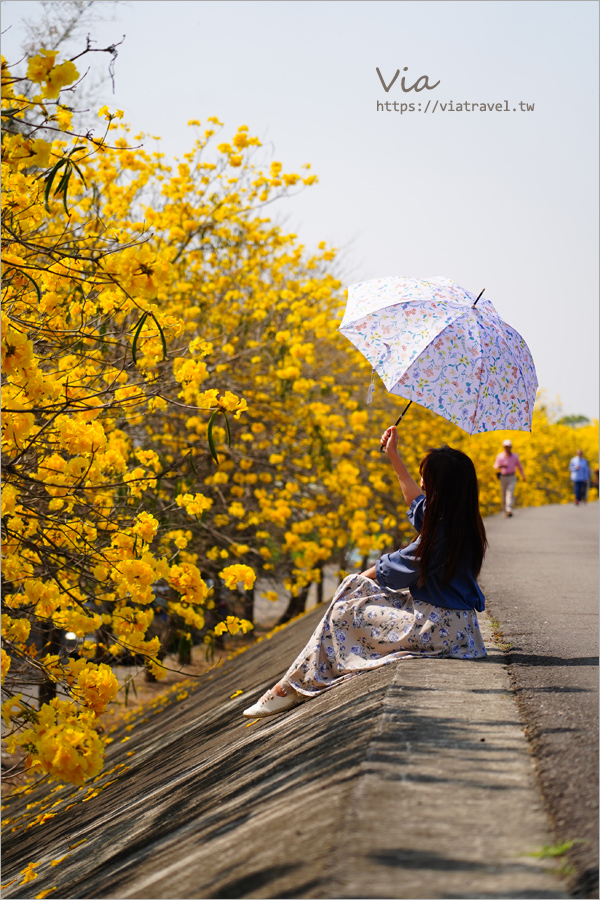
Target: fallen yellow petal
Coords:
[[72, 846], [45, 817]]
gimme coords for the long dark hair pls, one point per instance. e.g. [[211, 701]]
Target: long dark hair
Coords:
[[452, 492]]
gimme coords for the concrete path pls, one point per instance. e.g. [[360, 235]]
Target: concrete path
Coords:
[[414, 780], [541, 582]]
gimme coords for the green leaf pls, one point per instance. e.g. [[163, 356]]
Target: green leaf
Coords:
[[136, 336], [209, 435], [79, 172], [50, 178], [162, 337], [227, 428], [26, 274], [64, 185], [64, 180]]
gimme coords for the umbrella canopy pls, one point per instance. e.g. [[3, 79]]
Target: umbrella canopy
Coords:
[[437, 344]]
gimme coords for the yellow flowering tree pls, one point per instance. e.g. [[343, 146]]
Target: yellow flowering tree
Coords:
[[80, 537]]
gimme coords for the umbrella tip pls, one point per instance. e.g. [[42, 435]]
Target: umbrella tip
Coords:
[[475, 304]]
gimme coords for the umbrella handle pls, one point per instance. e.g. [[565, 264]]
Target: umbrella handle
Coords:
[[476, 302], [401, 416]]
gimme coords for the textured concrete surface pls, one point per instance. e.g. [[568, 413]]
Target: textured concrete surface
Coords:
[[541, 583], [414, 780]]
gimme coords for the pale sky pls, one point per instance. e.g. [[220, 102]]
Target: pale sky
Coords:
[[502, 200]]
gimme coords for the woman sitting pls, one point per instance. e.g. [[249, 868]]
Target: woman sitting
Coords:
[[418, 601]]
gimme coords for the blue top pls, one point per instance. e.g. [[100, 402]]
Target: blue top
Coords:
[[580, 469], [400, 570]]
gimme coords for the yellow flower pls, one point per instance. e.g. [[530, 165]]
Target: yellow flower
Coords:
[[229, 401], [232, 625], [9, 707], [186, 579], [40, 153], [59, 77], [157, 403], [195, 504], [15, 629], [38, 67], [5, 664], [145, 527], [238, 574], [96, 685]]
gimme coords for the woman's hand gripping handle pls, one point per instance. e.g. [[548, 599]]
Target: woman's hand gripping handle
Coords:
[[389, 445], [389, 440]]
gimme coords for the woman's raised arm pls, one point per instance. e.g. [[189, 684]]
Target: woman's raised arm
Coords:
[[408, 485]]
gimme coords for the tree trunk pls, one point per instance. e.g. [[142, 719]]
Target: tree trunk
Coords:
[[184, 651], [320, 587], [296, 605], [248, 605], [221, 610], [51, 639]]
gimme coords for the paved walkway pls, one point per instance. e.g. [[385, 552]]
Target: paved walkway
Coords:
[[414, 780], [541, 582]]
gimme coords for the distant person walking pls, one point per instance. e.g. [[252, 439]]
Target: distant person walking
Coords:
[[580, 476], [507, 463]]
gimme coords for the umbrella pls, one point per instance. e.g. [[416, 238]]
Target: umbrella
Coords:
[[437, 344]]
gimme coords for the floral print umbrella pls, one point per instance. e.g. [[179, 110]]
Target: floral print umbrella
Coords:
[[437, 344]]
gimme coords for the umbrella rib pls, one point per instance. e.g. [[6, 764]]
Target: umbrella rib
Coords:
[[480, 384], [516, 359], [501, 324], [525, 385], [466, 312]]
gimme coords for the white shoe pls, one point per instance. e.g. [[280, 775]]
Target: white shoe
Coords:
[[270, 704]]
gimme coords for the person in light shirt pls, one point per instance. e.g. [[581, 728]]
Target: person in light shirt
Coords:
[[580, 476], [507, 463]]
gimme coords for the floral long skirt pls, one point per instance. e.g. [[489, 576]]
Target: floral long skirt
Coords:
[[367, 626]]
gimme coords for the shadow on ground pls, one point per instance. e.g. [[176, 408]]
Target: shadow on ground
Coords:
[[413, 780]]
